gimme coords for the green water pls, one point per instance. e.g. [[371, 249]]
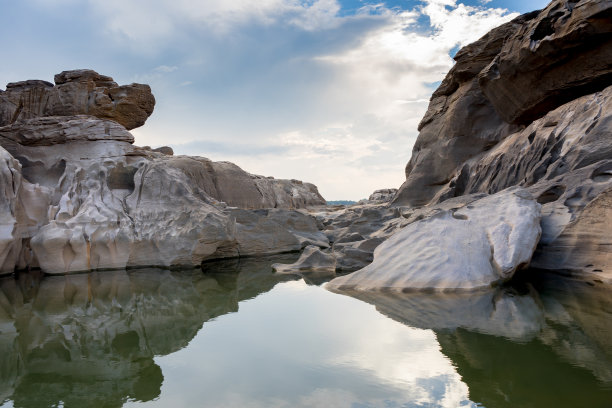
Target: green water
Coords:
[[236, 335]]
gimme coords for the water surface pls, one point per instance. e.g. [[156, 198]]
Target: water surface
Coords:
[[237, 335]]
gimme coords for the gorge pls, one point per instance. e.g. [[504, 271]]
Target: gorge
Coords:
[[499, 238]]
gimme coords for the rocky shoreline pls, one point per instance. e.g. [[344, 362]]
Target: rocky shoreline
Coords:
[[512, 169]]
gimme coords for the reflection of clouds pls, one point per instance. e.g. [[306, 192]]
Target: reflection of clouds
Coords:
[[301, 346]]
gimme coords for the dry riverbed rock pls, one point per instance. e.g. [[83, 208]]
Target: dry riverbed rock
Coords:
[[471, 248], [312, 260]]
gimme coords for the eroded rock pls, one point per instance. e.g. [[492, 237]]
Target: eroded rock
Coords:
[[312, 260], [473, 247], [78, 92], [556, 57]]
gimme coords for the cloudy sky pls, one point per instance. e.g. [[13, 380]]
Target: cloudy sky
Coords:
[[326, 91]]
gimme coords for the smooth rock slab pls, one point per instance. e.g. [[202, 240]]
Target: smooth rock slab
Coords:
[[471, 248], [311, 260]]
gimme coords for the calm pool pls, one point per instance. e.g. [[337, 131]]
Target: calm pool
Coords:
[[236, 335]]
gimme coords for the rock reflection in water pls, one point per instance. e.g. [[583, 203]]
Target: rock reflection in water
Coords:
[[545, 343], [89, 340]]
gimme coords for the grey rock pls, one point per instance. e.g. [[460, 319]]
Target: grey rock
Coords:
[[382, 196], [311, 260], [561, 54], [165, 150], [460, 122], [229, 183], [270, 231]]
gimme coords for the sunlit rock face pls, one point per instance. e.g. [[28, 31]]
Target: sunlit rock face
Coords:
[[77, 92], [470, 248], [89, 339]]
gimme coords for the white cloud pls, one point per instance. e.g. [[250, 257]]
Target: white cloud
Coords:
[[165, 69], [342, 94]]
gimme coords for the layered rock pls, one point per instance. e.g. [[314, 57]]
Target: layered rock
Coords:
[[560, 55], [77, 92], [460, 122], [474, 247], [80, 196], [229, 183], [382, 196], [485, 140]]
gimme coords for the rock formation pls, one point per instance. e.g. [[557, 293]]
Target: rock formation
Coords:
[[311, 260], [529, 104], [80, 196], [473, 247], [77, 92], [382, 196]]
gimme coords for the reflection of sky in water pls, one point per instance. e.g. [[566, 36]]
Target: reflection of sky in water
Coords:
[[301, 346], [236, 334]]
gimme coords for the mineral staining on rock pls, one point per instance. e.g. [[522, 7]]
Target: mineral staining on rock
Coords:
[[77, 92], [473, 247]]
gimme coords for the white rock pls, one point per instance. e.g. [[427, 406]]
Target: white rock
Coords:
[[474, 247]]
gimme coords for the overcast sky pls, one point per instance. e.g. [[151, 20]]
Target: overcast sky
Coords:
[[326, 91]]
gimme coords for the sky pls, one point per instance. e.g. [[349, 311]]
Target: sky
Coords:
[[325, 91]]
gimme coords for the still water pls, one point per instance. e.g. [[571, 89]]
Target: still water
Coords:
[[237, 335]]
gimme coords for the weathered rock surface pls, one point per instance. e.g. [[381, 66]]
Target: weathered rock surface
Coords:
[[77, 195], [554, 58], [312, 260], [383, 195], [460, 122], [229, 183], [565, 160], [77, 92], [479, 134], [356, 231], [269, 231], [471, 248]]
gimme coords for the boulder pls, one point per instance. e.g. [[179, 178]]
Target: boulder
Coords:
[[474, 247], [311, 260], [558, 56], [78, 92]]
